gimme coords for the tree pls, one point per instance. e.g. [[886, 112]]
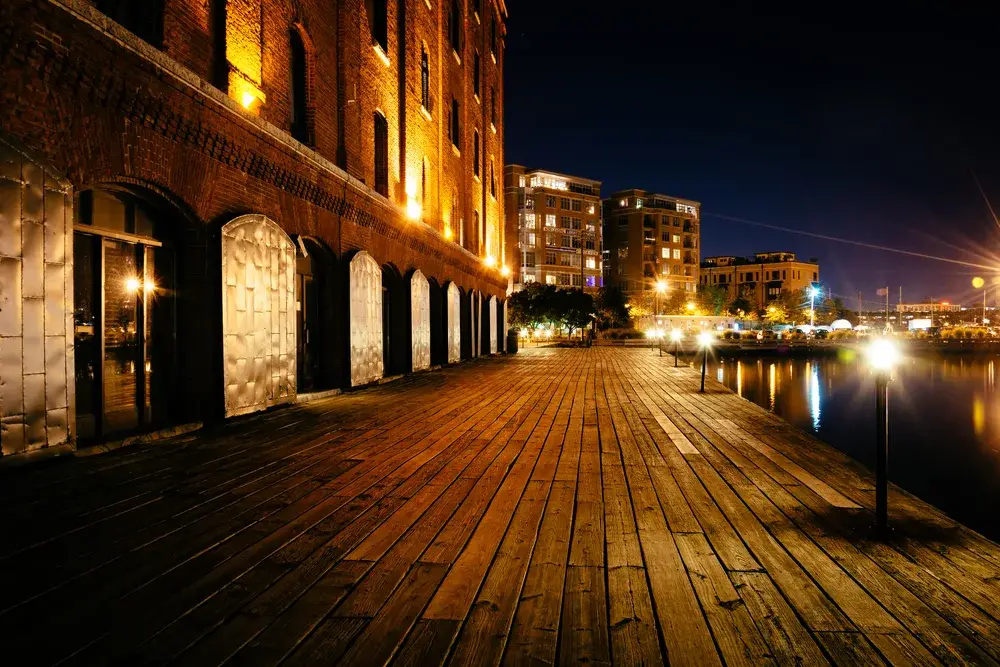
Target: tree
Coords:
[[713, 299], [539, 304], [610, 308], [532, 305]]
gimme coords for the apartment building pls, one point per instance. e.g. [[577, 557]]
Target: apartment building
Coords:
[[210, 208], [760, 278], [553, 228], [649, 239]]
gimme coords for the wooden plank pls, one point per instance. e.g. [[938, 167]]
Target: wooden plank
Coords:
[[584, 636], [849, 648], [739, 640], [790, 642], [487, 625], [535, 632], [380, 639]]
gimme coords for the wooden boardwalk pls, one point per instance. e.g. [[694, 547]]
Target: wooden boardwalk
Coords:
[[561, 506]]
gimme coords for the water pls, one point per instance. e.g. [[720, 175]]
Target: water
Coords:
[[944, 421]]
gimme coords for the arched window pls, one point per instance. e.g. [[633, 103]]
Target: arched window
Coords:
[[455, 27], [425, 79], [475, 72], [475, 223], [381, 154], [299, 89], [493, 36], [220, 64], [143, 19], [475, 152], [380, 24], [423, 182]]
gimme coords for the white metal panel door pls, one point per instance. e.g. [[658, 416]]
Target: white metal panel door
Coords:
[[454, 324], [493, 325], [258, 304], [420, 318], [366, 319]]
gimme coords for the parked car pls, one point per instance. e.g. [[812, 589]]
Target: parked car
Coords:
[[821, 334]]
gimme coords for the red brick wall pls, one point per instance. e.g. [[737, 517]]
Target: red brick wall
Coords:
[[100, 112]]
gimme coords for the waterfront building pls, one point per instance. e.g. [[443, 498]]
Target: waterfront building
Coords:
[[553, 228], [210, 208], [760, 278], [929, 307], [649, 239]]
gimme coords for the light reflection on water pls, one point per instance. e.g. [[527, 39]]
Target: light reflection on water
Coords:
[[944, 421]]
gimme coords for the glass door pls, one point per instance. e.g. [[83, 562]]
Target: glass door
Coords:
[[123, 347]]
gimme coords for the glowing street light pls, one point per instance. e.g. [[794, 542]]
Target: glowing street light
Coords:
[[705, 342], [659, 288], [813, 293], [505, 271], [675, 335], [883, 355]]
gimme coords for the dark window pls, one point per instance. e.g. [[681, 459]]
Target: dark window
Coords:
[[380, 24], [493, 36], [423, 181], [425, 80], [220, 65], [475, 73], [475, 152], [381, 155], [455, 27], [493, 106], [493, 181], [454, 123], [300, 120], [143, 19]]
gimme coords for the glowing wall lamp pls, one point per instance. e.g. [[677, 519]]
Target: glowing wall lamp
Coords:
[[448, 234], [490, 261], [505, 271], [247, 93]]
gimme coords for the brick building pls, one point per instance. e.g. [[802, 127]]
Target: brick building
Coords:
[[208, 207], [760, 278], [650, 238], [553, 228]]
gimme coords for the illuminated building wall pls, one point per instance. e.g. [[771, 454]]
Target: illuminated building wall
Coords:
[[760, 278], [553, 228], [651, 237], [208, 109]]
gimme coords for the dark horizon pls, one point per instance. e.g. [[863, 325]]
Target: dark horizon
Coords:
[[874, 132]]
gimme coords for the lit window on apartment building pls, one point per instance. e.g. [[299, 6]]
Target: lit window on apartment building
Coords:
[[591, 263], [531, 238], [665, 253], [550, 219], [676, 238], [529, 220], [550, 279]]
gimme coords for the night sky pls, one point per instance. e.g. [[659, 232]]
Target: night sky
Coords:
[[870, 123]]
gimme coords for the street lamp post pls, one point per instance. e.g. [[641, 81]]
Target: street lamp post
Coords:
[[812, 306], [882, 355], [675, 335], [705, 341]]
